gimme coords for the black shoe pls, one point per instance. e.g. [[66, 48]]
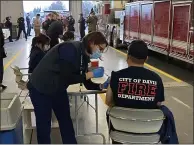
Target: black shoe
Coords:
[[11, 41]]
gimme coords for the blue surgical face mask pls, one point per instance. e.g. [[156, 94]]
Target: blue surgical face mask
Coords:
[[95, 55]]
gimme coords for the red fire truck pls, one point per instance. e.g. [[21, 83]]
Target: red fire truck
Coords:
[[166, 27]]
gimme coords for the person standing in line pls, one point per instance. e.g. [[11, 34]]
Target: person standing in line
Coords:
[[55, 30], [21, 26], [71, 24], [82, 26], [28, 22], [37, 25], [40, 45], [65, 23], [46, 23], [92, 22], [8, 24], [2, 56]]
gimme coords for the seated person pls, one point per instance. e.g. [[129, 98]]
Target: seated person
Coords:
[[135, 86], [40, 45], [68, 35]]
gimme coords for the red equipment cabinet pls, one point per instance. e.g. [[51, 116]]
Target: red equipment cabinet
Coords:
[[134, 21], [126, 22], [145, 28], [161, 26], [106, 9], [191, 44], [180, 29]]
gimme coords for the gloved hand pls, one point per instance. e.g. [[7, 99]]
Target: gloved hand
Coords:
[[96, 55], [106, 83], [98, 72]]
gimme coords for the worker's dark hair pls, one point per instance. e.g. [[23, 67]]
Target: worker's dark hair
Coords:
[[68, 36], [97, 38], [37, 14]]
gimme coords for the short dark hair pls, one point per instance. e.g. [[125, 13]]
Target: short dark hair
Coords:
[[96, 38], [42, 39], [38, 15], [68, 35]]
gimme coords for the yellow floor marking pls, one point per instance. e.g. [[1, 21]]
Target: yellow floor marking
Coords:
[[12, 59], [103, 97], [155, 69]]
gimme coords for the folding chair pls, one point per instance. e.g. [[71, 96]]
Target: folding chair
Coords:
[[135, 126], [19, 78]]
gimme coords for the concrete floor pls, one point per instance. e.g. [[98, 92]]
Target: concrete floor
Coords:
[[179, 95]]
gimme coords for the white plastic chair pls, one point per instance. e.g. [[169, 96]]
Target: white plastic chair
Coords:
[[135, 126], [19, 78]]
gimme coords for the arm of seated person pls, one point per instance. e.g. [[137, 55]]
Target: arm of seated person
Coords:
[[160, 97], [109, 97]]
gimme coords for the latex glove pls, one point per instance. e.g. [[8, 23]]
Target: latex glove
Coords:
[[98, 72], [96, 55], [106, 83]]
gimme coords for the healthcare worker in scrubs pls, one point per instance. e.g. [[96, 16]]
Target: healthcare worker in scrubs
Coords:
[[64, 65]]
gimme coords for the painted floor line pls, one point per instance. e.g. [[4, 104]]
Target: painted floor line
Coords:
[[179, 101], [155, 69], [12, 59], [103, 97]]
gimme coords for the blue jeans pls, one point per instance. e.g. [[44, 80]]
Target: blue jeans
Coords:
[[43, 106]]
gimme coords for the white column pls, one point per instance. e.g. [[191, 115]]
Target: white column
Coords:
[[75, 10], [11, 8]]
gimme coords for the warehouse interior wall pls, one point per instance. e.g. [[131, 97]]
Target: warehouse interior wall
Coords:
[[11, 8]]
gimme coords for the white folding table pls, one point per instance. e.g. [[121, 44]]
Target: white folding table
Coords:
[[74, 91]]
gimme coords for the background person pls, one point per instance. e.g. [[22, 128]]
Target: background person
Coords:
[[8, 24], [71, 23], [2, 56], [65, 23], [82, 26], [40, 45], [55, 30], [46, 23], [37, 25], [28, 22], [68, 36], [60, 68], [21, 26], [92, 22]]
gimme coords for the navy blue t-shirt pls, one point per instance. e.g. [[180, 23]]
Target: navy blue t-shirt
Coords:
[[137, 87]]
